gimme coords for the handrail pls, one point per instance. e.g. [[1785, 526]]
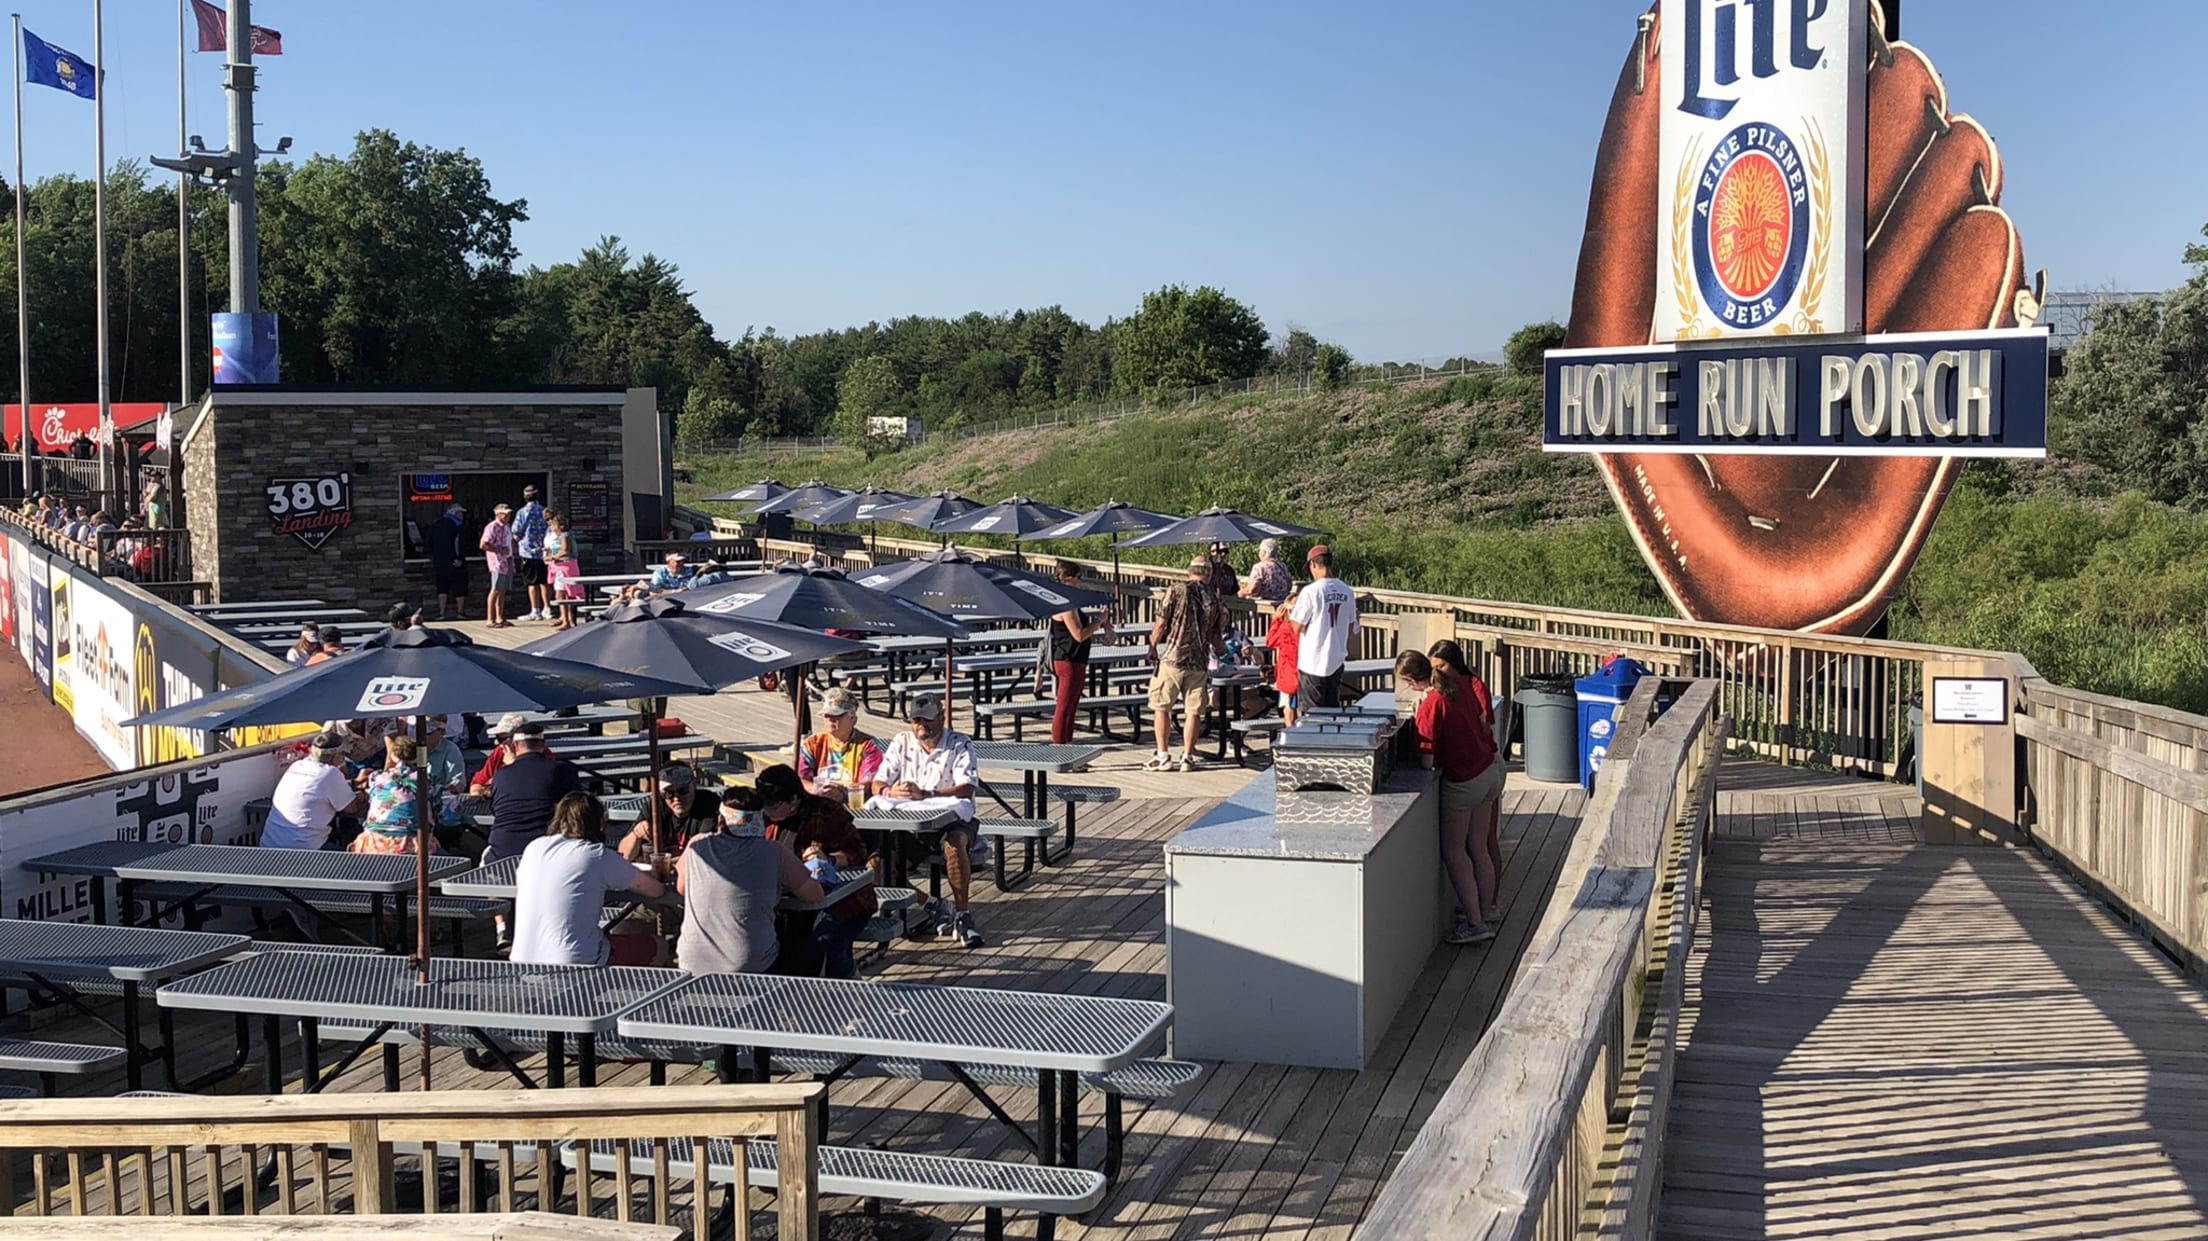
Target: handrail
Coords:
[[1514, 1149], [138, 1155]]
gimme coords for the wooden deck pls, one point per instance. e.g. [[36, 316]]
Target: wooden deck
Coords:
[[1897, 1038], [1252, 1150]]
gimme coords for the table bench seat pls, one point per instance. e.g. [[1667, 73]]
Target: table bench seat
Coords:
[[894, 1176], [50, 1060], [1033, 834]]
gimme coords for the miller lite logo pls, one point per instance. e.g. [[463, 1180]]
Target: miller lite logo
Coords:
[[1761, 212]]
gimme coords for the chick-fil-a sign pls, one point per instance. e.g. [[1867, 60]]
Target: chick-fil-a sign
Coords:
[[56, 425]]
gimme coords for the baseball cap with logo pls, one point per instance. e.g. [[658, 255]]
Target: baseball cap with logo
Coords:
[[507, 723], [925, 707], [677, 776]]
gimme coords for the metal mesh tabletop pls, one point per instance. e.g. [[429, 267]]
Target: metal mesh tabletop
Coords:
[[572, 999], [858, 1172], [1038, 756], [886, 820], [100, 858], [496, 882], [1027, 1029], [327, 870], [80, 950]]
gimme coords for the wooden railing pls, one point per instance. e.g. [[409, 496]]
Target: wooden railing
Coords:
[[1553, 1123], [517, 1226], [189, 1155], [2117, 793]]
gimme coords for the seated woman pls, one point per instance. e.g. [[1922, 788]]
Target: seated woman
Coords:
[[731, 880], [560, 890], [839, 759], [394, 811]]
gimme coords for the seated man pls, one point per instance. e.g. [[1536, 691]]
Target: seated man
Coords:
[[560, 890], [839, 760], [502, 752], [932, 768], [685, 811], [310, 796], [731, 881], [676, 574], [819, 829]]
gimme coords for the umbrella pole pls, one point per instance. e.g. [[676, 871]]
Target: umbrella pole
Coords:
[[423, 809], [651, 749], [950, 686]]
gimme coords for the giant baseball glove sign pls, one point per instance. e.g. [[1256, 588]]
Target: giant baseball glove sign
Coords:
[[1714, 214]]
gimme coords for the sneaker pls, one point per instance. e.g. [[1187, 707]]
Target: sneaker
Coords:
[[1189, 762], [1471, 933], [1160, 761], [962, 928], [505, 940]]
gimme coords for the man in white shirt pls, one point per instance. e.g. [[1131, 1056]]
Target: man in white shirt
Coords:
[[310, 796], [933, 768], [1325, 617]]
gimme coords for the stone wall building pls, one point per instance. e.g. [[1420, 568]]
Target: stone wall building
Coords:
[[294, 493]]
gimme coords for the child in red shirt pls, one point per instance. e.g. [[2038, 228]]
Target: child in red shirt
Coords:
[[1282, 639]]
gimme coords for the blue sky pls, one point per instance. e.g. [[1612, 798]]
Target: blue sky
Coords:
[[1408, 179]]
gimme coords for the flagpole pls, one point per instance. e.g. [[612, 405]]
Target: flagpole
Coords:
[[99, 236], [183, 232], [22, 297]]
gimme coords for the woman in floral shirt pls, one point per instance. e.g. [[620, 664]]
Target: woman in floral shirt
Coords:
[[393, 801]]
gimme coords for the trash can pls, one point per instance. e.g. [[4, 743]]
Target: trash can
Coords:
[[1599, 698], [1550, 723]]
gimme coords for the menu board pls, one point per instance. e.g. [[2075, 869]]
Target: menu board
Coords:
[[590, 512]]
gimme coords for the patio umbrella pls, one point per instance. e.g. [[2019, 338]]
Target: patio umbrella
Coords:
[[419, 673], [930, 509], [1221, 525], [812, 491], [1113, 517], [865, 504], [660, 637], [810, 598], [958, 583], [754, 493], [1014, 515]]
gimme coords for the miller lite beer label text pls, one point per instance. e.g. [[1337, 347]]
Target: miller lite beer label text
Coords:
[[1761, 187]]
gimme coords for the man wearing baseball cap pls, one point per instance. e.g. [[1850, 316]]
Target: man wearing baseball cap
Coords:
[[685, 810], [1325, 617], [529, 531], [447, 565], [502, 752], [1191, 624], [312, 793], [932, 768], [675, 574], [497, 545]]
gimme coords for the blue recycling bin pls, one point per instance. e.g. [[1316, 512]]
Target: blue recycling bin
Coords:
[[1600, 695]]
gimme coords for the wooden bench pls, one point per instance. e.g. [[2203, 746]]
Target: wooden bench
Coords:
[[887, 1175]]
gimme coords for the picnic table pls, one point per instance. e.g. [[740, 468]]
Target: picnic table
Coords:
[[202, 869], [557, 1001], [1057, 1036], [878, 826], [58, 958], [264, 605], [1036, 763], [496, 882]]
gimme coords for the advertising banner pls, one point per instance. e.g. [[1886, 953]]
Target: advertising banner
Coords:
[[31, 596], [244, 348], [171, 664], [199, 805], [57, 425], [98, 673], [7, 595], [60, 680], [1796, 276]]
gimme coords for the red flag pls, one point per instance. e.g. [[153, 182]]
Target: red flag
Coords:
[[214, 32]]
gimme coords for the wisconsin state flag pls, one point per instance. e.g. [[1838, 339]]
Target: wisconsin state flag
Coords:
[[214, 32]]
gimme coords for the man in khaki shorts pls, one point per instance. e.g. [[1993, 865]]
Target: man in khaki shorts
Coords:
[[1191, 623]]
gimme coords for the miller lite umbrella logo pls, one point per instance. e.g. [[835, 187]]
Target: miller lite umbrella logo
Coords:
[[749, 647], [393, 695], [310, 509]]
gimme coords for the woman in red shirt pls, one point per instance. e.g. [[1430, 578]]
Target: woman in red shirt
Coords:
[[1454, 737], [1282, 639], [1448, 660]]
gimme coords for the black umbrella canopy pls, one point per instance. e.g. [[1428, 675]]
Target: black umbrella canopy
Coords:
[[958, 583], [1015, 515], [662, 638], [414, 672], [811, 598], [812, 491], [1113, 517], [865, 504], [753, 493], [1220, 525], [929, 509]]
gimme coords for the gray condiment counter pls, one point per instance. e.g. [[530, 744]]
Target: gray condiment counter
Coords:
[[1296, 923]]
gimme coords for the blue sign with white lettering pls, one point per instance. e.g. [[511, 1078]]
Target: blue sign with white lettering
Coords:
[[1947, 394], [245, 348]]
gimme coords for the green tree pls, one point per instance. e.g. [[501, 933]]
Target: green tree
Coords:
[[869, 389], [1331, 364], [2133, 398], [1294, 354], [1524, 349], [1185, 339]]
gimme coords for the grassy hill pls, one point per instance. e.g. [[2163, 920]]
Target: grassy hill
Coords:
[[1443, 487]]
